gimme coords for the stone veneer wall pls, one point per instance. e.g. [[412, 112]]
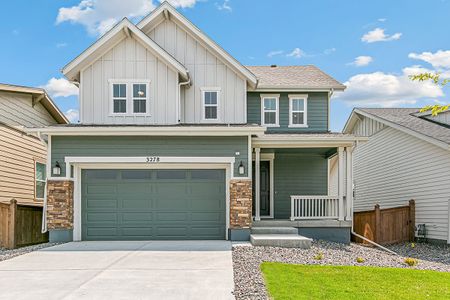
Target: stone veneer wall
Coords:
[[60, 204], [240, 203]]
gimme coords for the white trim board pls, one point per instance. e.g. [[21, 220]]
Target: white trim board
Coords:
[[77, 187]]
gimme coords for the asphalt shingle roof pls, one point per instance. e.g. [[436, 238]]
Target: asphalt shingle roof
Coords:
[[405, 117], [294, 77]]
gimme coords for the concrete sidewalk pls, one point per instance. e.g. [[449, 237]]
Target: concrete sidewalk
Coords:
[[121, 270]]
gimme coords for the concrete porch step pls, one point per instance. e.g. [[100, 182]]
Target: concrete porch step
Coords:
[[274, 230], [281, 240]]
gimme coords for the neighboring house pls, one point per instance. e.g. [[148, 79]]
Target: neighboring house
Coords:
[[407, 157], [175, 133], [23, 157]]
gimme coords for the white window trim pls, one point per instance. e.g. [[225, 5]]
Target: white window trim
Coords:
[[36, 180], [129, 96], [210, 89], [304, 97], [277, 111]]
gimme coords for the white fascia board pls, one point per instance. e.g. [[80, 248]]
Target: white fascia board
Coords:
[[147, 160], [149, 131], [72, 68], [351, 121], [305, 142], [406, 130], [294, 89], [200, 35]]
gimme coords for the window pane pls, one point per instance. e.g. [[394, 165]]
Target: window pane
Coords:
[[101, 174], [207, 174], [139, 90], [270, 104], [40, 171], [120, 106], [120, 90], [210, 97], [270, 117], [137, 174], [298, 104], [139, 106], [171, 174], [40, 188], [297, 118], [211, 112]]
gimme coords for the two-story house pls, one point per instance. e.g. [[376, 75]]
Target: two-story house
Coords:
[[178, 140]]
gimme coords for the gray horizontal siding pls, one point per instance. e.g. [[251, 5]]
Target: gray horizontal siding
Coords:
[[394, 167], [149, 146], [297, 174], [317, 112]]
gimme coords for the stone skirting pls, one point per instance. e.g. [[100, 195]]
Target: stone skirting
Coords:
[[240, 203], [59, 204]]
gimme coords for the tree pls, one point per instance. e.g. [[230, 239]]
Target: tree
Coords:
[[435, 78]]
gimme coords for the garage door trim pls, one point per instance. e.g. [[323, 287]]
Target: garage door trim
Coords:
[[77, 167]]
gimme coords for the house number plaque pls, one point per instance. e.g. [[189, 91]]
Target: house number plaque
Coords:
[[153, 159]]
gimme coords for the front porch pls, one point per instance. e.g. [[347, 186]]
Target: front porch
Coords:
[[304, 181]]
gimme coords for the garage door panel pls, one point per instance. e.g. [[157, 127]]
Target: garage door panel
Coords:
[[155, 204]]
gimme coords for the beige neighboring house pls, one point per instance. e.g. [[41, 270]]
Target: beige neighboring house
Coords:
[[23, 157]]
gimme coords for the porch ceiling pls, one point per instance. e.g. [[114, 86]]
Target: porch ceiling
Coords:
[[318, 151]]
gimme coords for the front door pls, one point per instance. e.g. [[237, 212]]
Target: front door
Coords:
[[264, 168]]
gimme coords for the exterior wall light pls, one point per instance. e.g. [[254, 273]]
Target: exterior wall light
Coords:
[[57, 169], [241, 168]]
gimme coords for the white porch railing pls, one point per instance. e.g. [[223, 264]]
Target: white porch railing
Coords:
[[314, 207]]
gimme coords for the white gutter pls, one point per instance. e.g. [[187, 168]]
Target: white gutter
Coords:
[[188, 82]]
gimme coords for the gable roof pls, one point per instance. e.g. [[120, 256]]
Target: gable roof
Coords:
[[39, 96], [404, 119], [121, 30], [165, 10], [294, 77]]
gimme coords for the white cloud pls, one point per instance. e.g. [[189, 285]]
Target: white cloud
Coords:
[[388, 90], [61, 45], [329, 51], [297, 53], [382, 20], [60, 87], [275, 53], [181, 3], [73, 115], [224, 6], [98, 16], [378, 35], [439, 59], [362, 61]]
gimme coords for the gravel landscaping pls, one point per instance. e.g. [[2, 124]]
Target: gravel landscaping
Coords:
[[249, 283], [7, 253]]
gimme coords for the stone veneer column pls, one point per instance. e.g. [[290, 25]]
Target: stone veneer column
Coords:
[[59, 204], [240, 203]]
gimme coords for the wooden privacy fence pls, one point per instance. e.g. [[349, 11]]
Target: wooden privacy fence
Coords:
[[386, 226], [20, 225]]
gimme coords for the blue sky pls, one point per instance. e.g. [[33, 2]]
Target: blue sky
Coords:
[[372, 46]]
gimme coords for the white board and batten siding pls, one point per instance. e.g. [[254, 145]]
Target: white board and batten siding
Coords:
[[16, 110], [394, 167], [367, 127], [128, 60], [207, 71]]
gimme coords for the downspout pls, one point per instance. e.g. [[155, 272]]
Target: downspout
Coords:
[[44, 228], [188, 82]]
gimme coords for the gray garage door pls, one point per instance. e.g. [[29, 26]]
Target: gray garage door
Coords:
[[153, 204]]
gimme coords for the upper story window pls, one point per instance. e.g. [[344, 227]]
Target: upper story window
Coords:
[[129, 97], [298, 110], [269, 110], [211, 104], [40, 178]]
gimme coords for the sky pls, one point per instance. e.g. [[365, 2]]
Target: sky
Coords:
[[370, 46]]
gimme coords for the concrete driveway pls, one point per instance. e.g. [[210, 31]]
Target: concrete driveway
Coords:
[[121, 270]]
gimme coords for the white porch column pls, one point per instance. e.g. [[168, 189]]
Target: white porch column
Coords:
[[341, 182], [257, 184], [349, 190]]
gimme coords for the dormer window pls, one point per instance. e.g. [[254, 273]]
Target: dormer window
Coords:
[[210, 104], [129, 97]]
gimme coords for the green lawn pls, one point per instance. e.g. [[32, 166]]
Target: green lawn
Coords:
[[286, 281]]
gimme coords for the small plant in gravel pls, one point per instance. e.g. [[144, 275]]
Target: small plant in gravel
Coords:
[[319, 256], [360, 260], [411, 261], [413, 245]]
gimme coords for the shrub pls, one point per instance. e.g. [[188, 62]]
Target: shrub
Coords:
[[360, 260], [318, 256], [411, 261]]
